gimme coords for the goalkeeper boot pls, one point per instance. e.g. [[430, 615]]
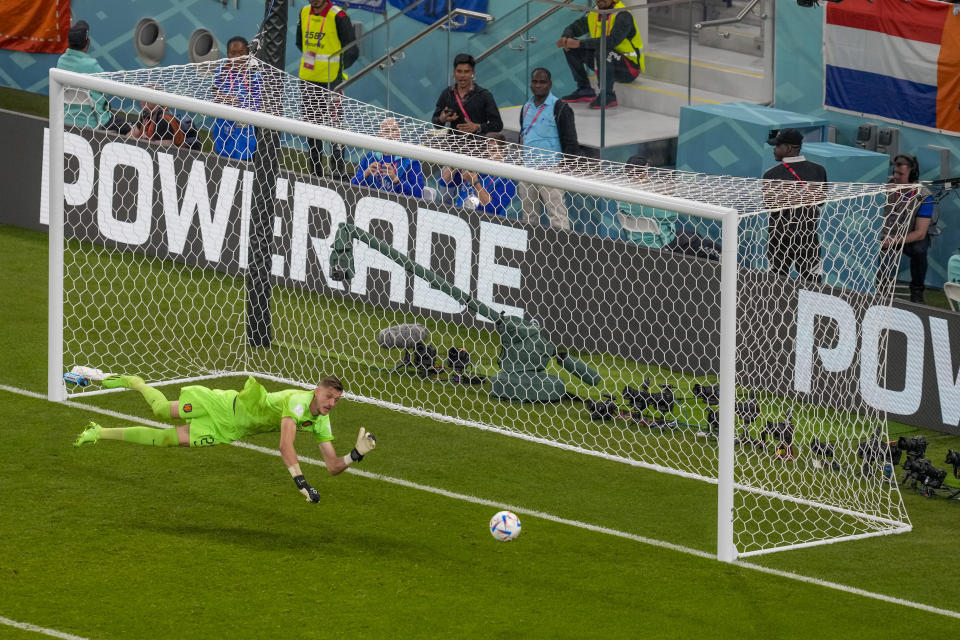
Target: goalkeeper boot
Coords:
[[117, 381], [91, 434]]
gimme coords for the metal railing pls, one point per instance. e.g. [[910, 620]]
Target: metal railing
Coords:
[[448, 21], [384, 25], [516, 33], [737, 18]]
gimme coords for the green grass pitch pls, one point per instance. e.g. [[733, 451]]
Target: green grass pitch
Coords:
[[120, 541]]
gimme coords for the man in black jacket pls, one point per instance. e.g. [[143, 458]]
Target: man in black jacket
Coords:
[[466, 106], [792, 225]]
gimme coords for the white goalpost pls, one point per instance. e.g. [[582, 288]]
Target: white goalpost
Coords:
[[651, 332]]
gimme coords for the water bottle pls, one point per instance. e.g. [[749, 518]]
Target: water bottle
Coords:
[[76, 379]]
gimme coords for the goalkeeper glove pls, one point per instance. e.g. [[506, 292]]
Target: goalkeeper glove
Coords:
[[312, 494], [365, 444]]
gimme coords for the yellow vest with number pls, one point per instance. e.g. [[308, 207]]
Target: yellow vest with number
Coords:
[[631, 48], [319, 35]]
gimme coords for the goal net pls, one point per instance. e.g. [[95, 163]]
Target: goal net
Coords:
[[230, 219]]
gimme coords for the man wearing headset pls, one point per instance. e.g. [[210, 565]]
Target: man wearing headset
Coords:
[[907, 216]]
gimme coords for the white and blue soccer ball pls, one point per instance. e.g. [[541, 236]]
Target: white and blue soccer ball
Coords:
[[505, 526]]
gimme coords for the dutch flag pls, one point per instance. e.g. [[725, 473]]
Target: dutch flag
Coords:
[[895, 60]]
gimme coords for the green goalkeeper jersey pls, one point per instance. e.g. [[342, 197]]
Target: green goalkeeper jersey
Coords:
[[259, 411]]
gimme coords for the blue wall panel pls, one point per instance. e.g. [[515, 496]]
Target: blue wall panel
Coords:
[[731, 139]]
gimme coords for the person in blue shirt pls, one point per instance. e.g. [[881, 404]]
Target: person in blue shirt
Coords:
[[910, 210], [86, 108], [235, 84], [548, 133], [487, 193], [390, 173]]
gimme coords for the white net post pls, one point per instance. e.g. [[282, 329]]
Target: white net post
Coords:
[[56, 391], [629, 337], [726, 548]]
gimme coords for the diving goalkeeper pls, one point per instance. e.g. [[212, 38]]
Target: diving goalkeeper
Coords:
[[218, 416]]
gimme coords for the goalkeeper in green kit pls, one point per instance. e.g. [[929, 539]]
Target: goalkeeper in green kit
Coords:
[[217, 416]]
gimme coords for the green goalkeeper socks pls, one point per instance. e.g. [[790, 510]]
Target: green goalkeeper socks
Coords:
[[148, 436], [157, 401]]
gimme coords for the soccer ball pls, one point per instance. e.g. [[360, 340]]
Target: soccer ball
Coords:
[[505, 526]]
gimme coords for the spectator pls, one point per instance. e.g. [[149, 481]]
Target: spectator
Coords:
[[795, 215], [667, 236], [390, 173], [323, 32], [545, 139], [466, 106], [910, 209], [487, 193], [157, 124], [624, 52], [91, 108], [235, 84]]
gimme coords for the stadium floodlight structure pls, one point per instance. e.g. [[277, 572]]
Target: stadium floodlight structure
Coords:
[[719, 369]]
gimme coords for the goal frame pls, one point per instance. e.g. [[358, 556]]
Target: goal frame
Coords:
[[728, 218]]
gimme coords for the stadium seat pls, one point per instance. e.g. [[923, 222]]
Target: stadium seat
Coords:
[[953, 268], [952, 291], [72, 95], [640, 224]]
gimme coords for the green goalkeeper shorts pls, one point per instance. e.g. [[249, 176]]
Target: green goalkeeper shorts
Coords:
[[210, 414]]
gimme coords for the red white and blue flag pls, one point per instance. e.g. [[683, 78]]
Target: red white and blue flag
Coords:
[[894, 59]]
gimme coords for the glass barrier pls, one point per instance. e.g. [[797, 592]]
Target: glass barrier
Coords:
[[695, 52]]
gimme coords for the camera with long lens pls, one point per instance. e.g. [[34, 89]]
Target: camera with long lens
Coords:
[[915, 447], [823, 453], [423, 359], [876, 450], [822, 449], [872, 450], [922, 475], [605, 409], [953, 457]]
